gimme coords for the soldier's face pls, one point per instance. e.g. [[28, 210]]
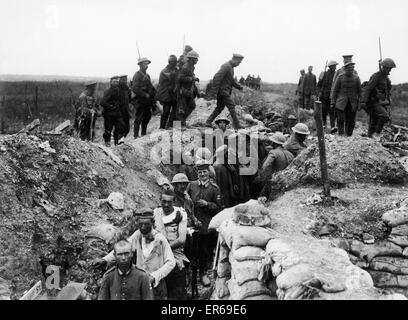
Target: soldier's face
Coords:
[[167, 203], [115, 82], [387, 70], [222, 125], [145, 226], [333, 67], [180, 187], [310, 69], [172, 63], [144, 66], [302, 72], [123, 81], [123, 255], [194, 60], [203, 174]]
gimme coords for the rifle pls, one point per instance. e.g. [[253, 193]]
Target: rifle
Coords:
[[184, 43], [138, 52], [379, 46]]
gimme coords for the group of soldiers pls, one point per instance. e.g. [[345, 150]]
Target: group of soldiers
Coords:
[[342, 94], [176, 92], [173, 243], [251, 82]]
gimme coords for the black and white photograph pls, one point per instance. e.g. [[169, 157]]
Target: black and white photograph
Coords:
[[209, 152]]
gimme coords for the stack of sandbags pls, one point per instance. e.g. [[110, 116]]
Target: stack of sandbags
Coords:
[[243, 238]]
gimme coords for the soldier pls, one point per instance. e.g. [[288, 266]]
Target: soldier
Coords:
[[125, 96], [324, 88], [376, 98], [291, 122], [222, 87], [295, 144], [166, 93], [258, 83], [242, 81], [299, 90], [346, 59], [274, 121], [112, 113], [187, 90], [345, 98], [191, 171], [85, 117], [182, 199], [221, 133], [125, 281], [171, 221], [183, 58], [153, 253], [309, 88], [206, 197]]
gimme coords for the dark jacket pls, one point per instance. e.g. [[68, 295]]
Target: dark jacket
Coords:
[[166, 90], [132, 286], [210, 193], [142, 86], [186, 83], [223, 81], [294, 145], [277, 160], [124, 100], [324, 85], [300, 84], [110, 101], [309, 84], [378, 88], [345, 90]]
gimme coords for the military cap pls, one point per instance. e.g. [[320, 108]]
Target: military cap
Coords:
[[123, 76], [238, 56], [144, 213], [292, 117], [222, 119], [348, 56], [188, 47], [144, 59], [90, 84], [114, 78], [202, 164]]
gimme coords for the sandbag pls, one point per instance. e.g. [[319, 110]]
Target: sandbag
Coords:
[[247, 290], [278, 249], [386, 280], [401, 230], [396, 265], [293, 276], [368, 252], [219, 218], [405, 252], [221, 288], [396, 217], [244, 271], [248, 253]]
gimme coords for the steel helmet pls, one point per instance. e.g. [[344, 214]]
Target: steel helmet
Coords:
[[301, 128], [292, 117], [278, 138], [203, 153], [222, 119], [180, 178], [389, 63], [144, 59], [192, 54], [332, 63]]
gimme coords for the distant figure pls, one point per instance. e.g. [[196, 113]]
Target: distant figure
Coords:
[[113, 119], [376, 98], [345, 98], [85, 117], [144, 100], [324, 87], [299, 90], [183, 58], [125, 96], [242, 81], [223, 82], [309, 88], [166, 93], [258, 83]]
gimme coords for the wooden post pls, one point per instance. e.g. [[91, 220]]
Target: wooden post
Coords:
[[322, 147], [36, 101]]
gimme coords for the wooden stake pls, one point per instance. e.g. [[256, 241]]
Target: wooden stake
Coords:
[[322, 148]]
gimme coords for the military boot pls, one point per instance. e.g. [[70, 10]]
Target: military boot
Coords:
[[235, 120]]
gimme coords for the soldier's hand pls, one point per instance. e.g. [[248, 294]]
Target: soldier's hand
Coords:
[[98, 263], [202, 203]]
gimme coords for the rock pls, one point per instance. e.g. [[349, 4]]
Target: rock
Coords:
[[161, 180], [110, 153], [46, 147], [104, 231], [5, 291], [401, 230], [396, 217], [386, 279], [368, 238], [358, 262], [399, 240], [396, 265], [116, 201]]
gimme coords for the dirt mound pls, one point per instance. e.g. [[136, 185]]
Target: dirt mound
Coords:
[[48, 200], [349, 160]]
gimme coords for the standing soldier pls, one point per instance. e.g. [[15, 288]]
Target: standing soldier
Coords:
[[376, 98], [345, 98], [296, 142], [187, 90], [299, 90], [324, 88], [125, 95], [143, 101], [346, 59], [258, 83], [206, 197], [183, 58], [112, 114], [125, 281], [222, 88], [85, 115], [309, 88], [166, 93]]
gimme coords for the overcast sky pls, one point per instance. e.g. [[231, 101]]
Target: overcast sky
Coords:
[[277, 38]]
